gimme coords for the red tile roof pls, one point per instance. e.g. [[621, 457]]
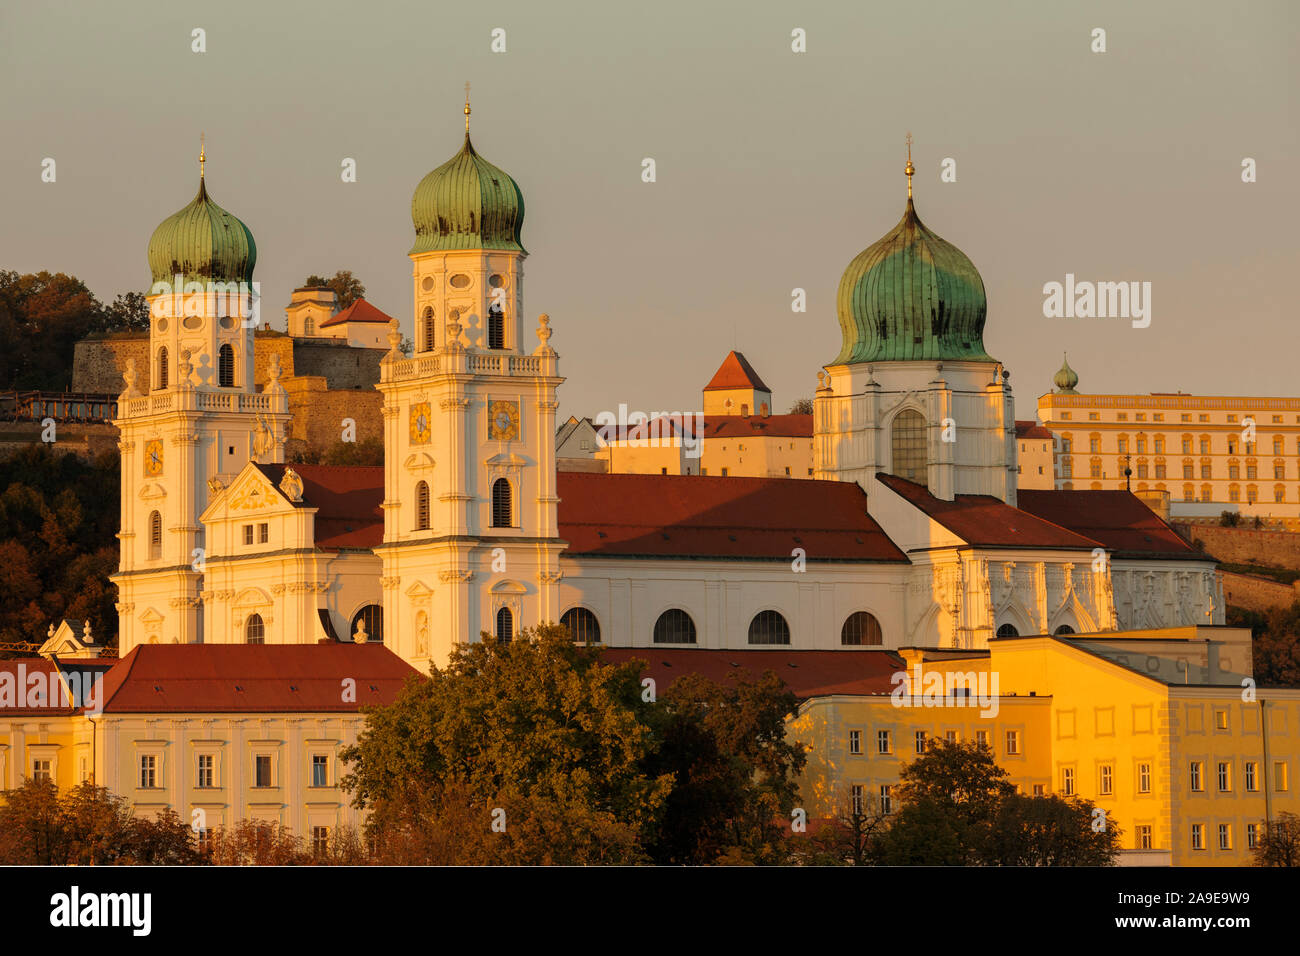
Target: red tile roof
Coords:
[[1031, 429], [358, 311], [693, 516], [252, 678], [347, 499], [806, 673], [17, 690], [735, 372], [715, 426], [1118, 519], [987, 522]]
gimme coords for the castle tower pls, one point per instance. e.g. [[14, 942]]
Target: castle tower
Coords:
[[470, 529], [201, 420], [912, 392]]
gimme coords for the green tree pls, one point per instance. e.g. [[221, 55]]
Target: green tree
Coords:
[[1051, 831], [42, 315], [347, 288], [802, 406], [128, 313], [535, 736], [950, 795], [734, 771]]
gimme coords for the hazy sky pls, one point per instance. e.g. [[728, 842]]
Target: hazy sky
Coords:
[[774, 168]]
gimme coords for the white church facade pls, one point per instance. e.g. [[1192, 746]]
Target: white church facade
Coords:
[[911, 532]]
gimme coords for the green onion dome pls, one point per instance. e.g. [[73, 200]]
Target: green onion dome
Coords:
[[202, 243], [1066, 378], [911, 296], [467, 203]]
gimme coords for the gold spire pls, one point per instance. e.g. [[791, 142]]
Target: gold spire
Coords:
[[467, 109], [909, 169], [203, 155]]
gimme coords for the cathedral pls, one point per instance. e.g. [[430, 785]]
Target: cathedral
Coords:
[[911, 532]]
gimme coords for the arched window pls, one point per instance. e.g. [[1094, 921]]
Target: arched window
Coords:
[[428, 330], [861, 628], [422, 506], [674, 627], [255, 630], [1008, 630], [907, 440], [162, 368], [371, 617], [309, 326], [226, 367], [505, 625], [155, 535], [582, 625], [769, 627], [502, 512], [496, 328], [744, 409], [1064, 629]]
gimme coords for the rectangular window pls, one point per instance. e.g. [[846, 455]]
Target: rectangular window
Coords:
[[1225, 777], [1198, 836], [886, 798], [1039, 790], [320, 765], [855, 741], [855, 798], [884, 744], [262, 770], [920, 741], [724, 473], [263, 533], [148, 771], [982, 738], [1094, 444], [1225, 837], [206, 766], [41, 771], [1185, 418], [1252, 835], [205, 840], [1067, 781], [1094, 416], [1195, 776], [1279, 776], [950, 736], [1221, 720], [1013, 743], [320, 841], [1252, 776], [248, 534], [1144, 838], [1205, 471], [1106, 780], [1144, 778], [1123, 446]]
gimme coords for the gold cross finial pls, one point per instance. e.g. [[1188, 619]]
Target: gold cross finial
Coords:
[[909, 169], [467, 107], [203, 155]]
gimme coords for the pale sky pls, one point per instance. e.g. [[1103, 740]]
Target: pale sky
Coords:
[[774, 168]]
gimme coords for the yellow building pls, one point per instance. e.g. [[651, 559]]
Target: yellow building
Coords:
[[1154, 727], [1036, 456], [1207, 453]]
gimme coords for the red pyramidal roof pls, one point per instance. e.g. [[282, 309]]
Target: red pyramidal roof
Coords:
[[735, 372], [358, 311]]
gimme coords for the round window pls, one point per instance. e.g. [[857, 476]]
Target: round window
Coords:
[[460, 281], [427, 284]]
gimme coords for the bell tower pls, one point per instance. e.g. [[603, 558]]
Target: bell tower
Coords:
[[192, 419], [470, 528]]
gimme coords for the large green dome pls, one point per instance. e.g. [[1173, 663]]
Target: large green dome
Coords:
[[202, 243], [911, 296], [467, 203]]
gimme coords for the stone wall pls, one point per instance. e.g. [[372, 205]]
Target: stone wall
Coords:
[[1257, 594], [1279, 549], [97, 363], [327, 381], [84, 441]]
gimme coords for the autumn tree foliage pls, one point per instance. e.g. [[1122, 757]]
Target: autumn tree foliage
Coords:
[[347, 287], [58, 522]]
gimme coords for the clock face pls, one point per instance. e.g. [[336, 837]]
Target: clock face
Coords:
[[503, 421], [421, 428], [153, 457]]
